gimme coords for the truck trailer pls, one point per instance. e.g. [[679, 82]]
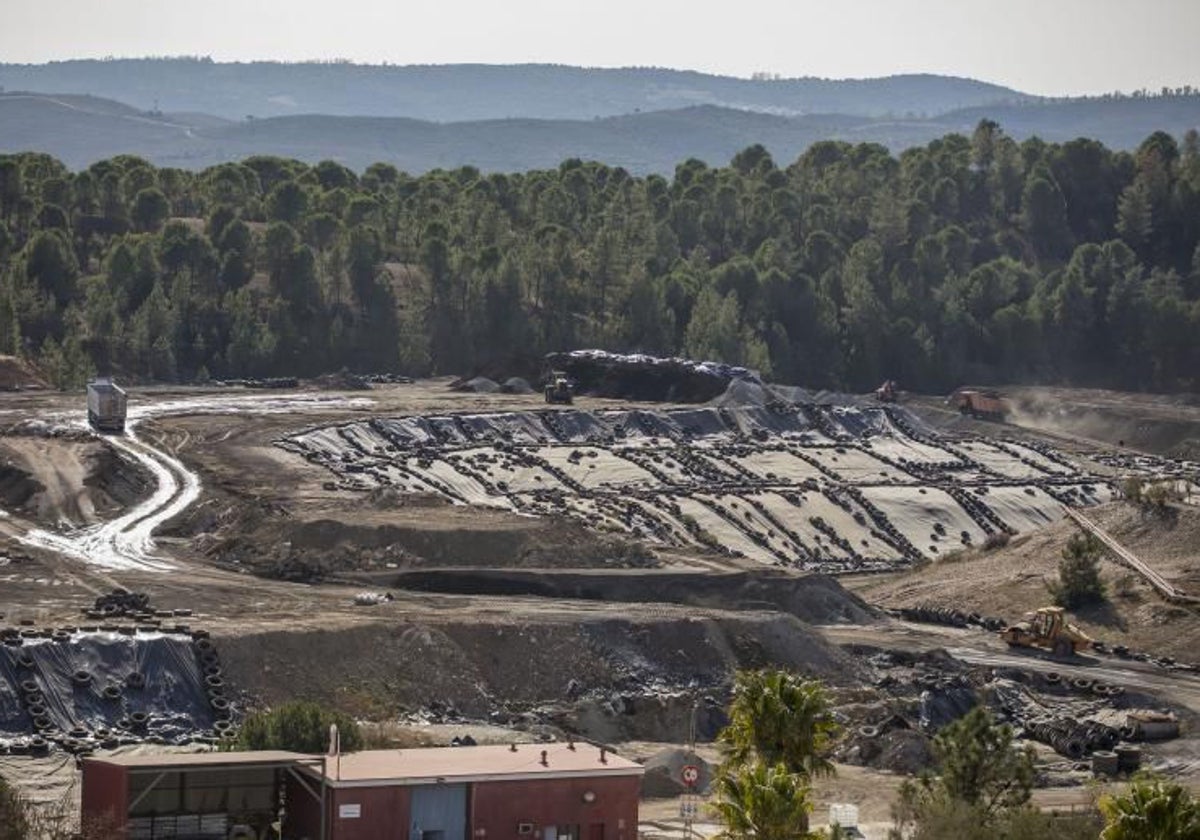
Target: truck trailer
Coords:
[[106, 402], [985, 405]]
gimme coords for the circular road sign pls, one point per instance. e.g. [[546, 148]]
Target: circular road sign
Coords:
[[690, 774]]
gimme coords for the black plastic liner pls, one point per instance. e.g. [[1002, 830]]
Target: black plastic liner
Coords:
[[82, 689]]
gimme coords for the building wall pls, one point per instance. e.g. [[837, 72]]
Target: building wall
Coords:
[[498, 808], [383, 813], [105, 795], [494, 808]]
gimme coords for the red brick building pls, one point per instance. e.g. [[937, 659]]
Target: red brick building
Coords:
[[530, 792]]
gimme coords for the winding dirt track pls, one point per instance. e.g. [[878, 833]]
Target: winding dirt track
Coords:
[[127, 542]]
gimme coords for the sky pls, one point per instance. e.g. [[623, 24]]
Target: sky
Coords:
[[1049, 47]]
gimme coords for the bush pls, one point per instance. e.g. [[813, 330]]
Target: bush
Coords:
[[1079, 581], [298, 726], [1131, 489], [1152, 809], [999, 539]]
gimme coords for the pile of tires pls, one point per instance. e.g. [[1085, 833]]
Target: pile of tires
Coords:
[[1072, 738]]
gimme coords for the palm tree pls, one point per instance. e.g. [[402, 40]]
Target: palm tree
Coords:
[[1152, 809], [779, 718], [763, 802]]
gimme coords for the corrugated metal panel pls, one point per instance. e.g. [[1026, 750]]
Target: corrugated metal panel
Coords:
[[439, 812]]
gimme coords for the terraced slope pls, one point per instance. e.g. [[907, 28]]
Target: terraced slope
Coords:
[[823, 488]]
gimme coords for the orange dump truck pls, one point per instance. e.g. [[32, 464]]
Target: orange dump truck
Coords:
[[984, 404]]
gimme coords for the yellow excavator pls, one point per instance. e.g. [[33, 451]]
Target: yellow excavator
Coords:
[[1047, 628]]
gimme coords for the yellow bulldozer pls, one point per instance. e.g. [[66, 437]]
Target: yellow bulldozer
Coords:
[[1047, 628]]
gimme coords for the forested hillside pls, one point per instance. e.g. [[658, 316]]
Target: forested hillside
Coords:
[[458, 92], [81, 130], [972, 258]]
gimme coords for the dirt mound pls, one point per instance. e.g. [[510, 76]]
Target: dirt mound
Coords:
[[343, 380], [310, 550], [1013, 579], [664, 774], [817, 599], [607, 678], [19, 375], [116, 481], [17, 487], [477, 385], [516, 385]]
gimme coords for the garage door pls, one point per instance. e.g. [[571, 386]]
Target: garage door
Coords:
[[439, 812]]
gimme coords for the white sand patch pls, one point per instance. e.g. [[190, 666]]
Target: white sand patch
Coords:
[[753, 521], [915, 515], [784, 467], [597, 467], [1021, 511], [468, 489], [1039, 459], [723, 531], [816, 506], [1000, 462], [858, 467], [899, 445]]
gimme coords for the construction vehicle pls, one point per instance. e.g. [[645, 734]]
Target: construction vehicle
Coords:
[[887, 392], [985, 405], [559, 388], [106, 404], [1047, 628]]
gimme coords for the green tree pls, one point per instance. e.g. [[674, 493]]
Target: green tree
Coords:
[[297, 726], [762, 802], [982, 779], [1079, 581], [1152, 809], [150, 209], [779, 718]]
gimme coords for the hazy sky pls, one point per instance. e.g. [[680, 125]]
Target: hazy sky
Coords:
[[1039, 46]]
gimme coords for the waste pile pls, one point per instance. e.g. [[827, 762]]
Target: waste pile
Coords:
[[1076, 718], [135, 676], [641, 377], [829, 487]]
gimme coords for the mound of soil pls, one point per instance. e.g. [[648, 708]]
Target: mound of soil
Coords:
[[17, 487], [478, 385], [817, 599], [605, 675], [516, 385], [343, 380], [309, 550], [116, 481], [664, 774], [18, 375]]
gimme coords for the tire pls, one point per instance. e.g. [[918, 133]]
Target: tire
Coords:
[[1063, 648]]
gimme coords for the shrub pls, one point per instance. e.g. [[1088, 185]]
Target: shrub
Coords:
[[1131, 489], [1079, 573], [298, 726], [999, 539]]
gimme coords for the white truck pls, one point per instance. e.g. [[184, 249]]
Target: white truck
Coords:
[[106, 402]]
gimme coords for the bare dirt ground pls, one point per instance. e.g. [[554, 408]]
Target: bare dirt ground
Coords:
[[1014, 579], [608, 634]]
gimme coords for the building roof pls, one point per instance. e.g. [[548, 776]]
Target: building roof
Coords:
[[204, 760], [471, 764], [423, 765]]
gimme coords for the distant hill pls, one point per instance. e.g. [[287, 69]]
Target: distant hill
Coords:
[[80, 130], [462, 92]]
